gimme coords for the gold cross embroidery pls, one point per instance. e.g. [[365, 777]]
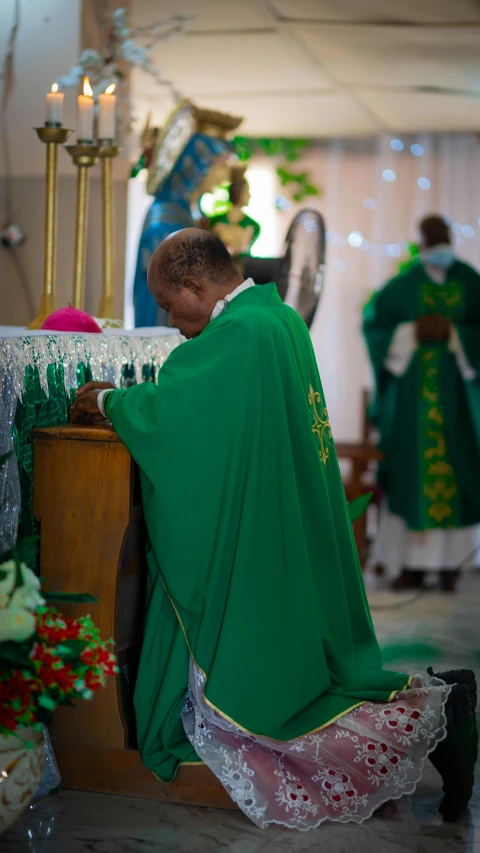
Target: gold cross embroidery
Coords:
[[321, 425]]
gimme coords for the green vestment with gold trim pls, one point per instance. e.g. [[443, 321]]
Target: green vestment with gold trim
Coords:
[[429, 418], [253, 568]]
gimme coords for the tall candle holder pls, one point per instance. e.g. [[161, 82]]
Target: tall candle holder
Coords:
[[84, 155], [52, 135], [107, 152]]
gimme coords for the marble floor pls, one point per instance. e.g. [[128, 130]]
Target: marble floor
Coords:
[[434, 628]]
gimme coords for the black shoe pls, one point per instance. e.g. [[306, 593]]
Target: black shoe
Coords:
[[409, 579], [455, 757], [459, 676], [448, 579]]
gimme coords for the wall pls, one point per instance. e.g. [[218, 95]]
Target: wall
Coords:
[[49, 41]]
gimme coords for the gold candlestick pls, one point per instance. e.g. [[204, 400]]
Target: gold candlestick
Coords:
[[84, 155], [53, 136], [107, 152]]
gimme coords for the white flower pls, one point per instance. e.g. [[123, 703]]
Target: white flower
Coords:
[[71, 79], [16, 623], [8, 582], [29, 578], [27, 598], [133, 53], [89, 57]]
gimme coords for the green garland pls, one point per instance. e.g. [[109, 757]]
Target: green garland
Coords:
[[289, 150]]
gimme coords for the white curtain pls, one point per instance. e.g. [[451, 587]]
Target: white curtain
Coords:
[[357, 198], [359, 195]]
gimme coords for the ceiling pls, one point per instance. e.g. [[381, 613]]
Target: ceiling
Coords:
[[321, 68]]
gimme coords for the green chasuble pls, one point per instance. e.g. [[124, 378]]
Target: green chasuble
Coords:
[[253, 569], [429, 418]]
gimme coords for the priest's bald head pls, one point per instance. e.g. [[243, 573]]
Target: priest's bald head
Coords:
[[188, 274]]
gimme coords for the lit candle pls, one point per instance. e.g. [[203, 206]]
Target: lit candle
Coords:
[[54, 106], [106, 118], [85, 113]]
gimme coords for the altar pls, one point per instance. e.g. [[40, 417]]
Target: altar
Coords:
[[86, 500], [86, 497], [39, 372]]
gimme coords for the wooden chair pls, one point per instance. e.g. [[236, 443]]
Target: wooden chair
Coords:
[[363, 456]]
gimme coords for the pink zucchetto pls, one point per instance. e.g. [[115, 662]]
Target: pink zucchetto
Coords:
[[70, 320]]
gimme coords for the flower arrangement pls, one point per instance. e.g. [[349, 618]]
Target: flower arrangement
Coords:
[[46, 659]]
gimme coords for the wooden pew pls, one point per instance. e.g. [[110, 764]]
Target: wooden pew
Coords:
[[87, 499]]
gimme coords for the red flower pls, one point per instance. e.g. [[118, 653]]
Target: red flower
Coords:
[[94, 656], [56, 676], [94, 680], [8, 718], [98, 656], [66, 678], [52, 628], [17, 689], [18, 700], [46, 664], [110, 667], [73, 629]]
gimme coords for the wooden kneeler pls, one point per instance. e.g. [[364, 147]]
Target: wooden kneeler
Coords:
[[87, 499]]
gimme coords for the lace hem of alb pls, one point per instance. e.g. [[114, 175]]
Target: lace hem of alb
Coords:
[[343, 773]]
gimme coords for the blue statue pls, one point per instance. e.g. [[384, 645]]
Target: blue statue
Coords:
[[190, 156]]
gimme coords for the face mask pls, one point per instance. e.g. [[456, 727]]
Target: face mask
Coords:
[[438, 256]]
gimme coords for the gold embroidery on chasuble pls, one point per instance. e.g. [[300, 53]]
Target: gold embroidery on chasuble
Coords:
[[439, 482], [320, 424], [442, 297]]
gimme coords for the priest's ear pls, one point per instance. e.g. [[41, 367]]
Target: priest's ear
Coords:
[[194, 286]]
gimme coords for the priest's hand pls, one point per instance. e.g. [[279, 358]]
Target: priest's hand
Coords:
[[433, 327], [85, 408], [94, 386]]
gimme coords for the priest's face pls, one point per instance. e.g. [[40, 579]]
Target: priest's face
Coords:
[[189, 308]]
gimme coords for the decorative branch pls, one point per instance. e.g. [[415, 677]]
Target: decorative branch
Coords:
[[125, 47]]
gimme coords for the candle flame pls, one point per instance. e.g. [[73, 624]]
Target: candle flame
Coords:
[[54, 87], [87, 89], [110, 89]]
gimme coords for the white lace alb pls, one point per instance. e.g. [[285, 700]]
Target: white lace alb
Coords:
[[344, 772]]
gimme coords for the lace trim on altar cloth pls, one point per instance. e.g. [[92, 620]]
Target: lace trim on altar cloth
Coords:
[[342, 773]]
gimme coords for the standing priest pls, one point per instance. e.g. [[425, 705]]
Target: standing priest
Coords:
[[423, 336], [259, 654]]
